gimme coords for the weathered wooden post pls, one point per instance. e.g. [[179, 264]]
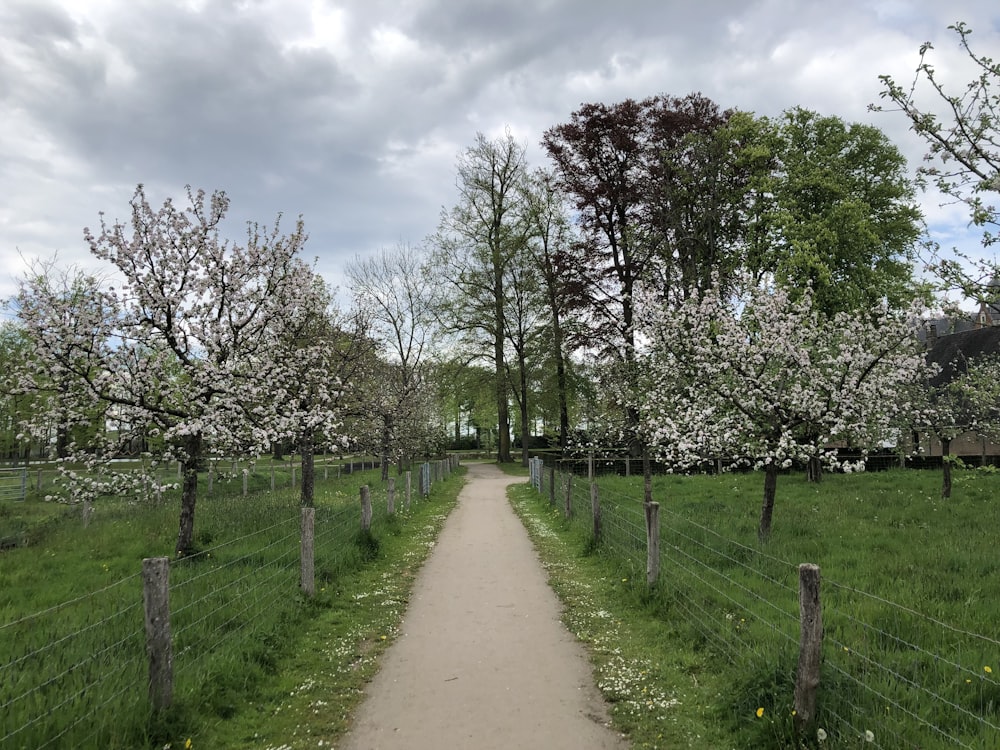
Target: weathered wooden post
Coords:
[[569, 495], [156, 602], [595, 509], [409, 487], [552, 485], [390, 496], [87, 512], [326, 470], [366, 509], [628, 466], [39, 480], [293, 476], [246, 478], [272, 477], [810, 648], [180, 471], [307, 561], [652, 542], [211, 479]]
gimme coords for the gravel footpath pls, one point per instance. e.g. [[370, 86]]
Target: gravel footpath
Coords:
[[482, 660]]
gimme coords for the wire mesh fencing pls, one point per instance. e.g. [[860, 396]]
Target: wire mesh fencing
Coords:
[[891, 676]]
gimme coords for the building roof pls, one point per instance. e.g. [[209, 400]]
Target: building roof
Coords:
[[954, 351]]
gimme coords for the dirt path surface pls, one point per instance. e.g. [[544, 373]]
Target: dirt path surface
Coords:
[[482, 660]]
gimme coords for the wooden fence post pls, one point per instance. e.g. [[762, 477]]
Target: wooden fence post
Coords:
[[246, 478], [552, 486], [366, 508], [652, 542], [307, 561], [211, 479], [390, 496], [810, 648], [569, 495], [39, 480], [87, 513], [409, 487], [272, 477], [293, 477], [595, 509], [156, 603]]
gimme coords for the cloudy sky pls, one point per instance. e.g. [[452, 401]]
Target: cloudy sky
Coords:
[[352, 112]]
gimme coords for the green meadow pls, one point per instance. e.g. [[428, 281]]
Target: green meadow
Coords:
[[73, 669], [909, 597]]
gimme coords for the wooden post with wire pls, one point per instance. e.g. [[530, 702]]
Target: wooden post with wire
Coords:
[[156, 604], [652, 542], [307, 559], [366, 508], [810, 648]]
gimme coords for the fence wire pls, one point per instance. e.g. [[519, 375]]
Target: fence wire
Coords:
[[73, 673], [879, 688]]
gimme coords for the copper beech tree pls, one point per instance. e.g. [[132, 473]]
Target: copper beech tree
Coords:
[[176, 351]]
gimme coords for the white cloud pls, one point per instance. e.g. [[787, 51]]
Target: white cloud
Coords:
[[353, 113]]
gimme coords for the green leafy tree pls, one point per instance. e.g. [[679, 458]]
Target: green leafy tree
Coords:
[[832, 210], [477, 242]]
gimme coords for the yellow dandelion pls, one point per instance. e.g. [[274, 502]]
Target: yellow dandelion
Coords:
[[760, 712], [988, 669], [187, 744]]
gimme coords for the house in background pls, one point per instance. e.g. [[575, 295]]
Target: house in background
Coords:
[[952, 343]]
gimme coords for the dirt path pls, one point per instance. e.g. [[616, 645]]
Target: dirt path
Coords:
[[482, 660]]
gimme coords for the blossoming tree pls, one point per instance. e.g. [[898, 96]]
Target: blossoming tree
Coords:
[[768, 381], [177, 354]]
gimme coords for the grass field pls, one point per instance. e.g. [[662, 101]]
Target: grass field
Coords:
[[909, 597], [72, 649]]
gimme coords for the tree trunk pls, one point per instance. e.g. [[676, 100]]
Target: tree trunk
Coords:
[[767, 509], [814, 470], [386, 447], [522, 369], [308, 451], [946, 467], [647, 477], [189, 494], [557, 353]]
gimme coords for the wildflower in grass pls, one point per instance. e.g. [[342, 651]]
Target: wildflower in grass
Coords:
[[187, 744], [987, 669], [760, 712], [821, 734], [869, 735]]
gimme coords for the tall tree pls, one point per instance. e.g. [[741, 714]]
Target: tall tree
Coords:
[[474, 246], [390, 287], [631, 170], [553, 250], [181, 348], [834, 211]]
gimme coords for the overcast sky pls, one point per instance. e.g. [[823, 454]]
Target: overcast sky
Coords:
[[352, 112]]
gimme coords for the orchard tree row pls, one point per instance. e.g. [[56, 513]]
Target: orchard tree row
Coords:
[[194, 346], [680, 280]]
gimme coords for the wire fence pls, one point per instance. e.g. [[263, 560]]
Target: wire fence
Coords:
[[76, 673], [891, 676]]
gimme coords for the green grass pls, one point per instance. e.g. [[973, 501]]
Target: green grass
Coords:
[[72, 662], [892, 555]]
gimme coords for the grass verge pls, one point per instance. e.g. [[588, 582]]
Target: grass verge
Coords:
[[662, 692], [309, 701]]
